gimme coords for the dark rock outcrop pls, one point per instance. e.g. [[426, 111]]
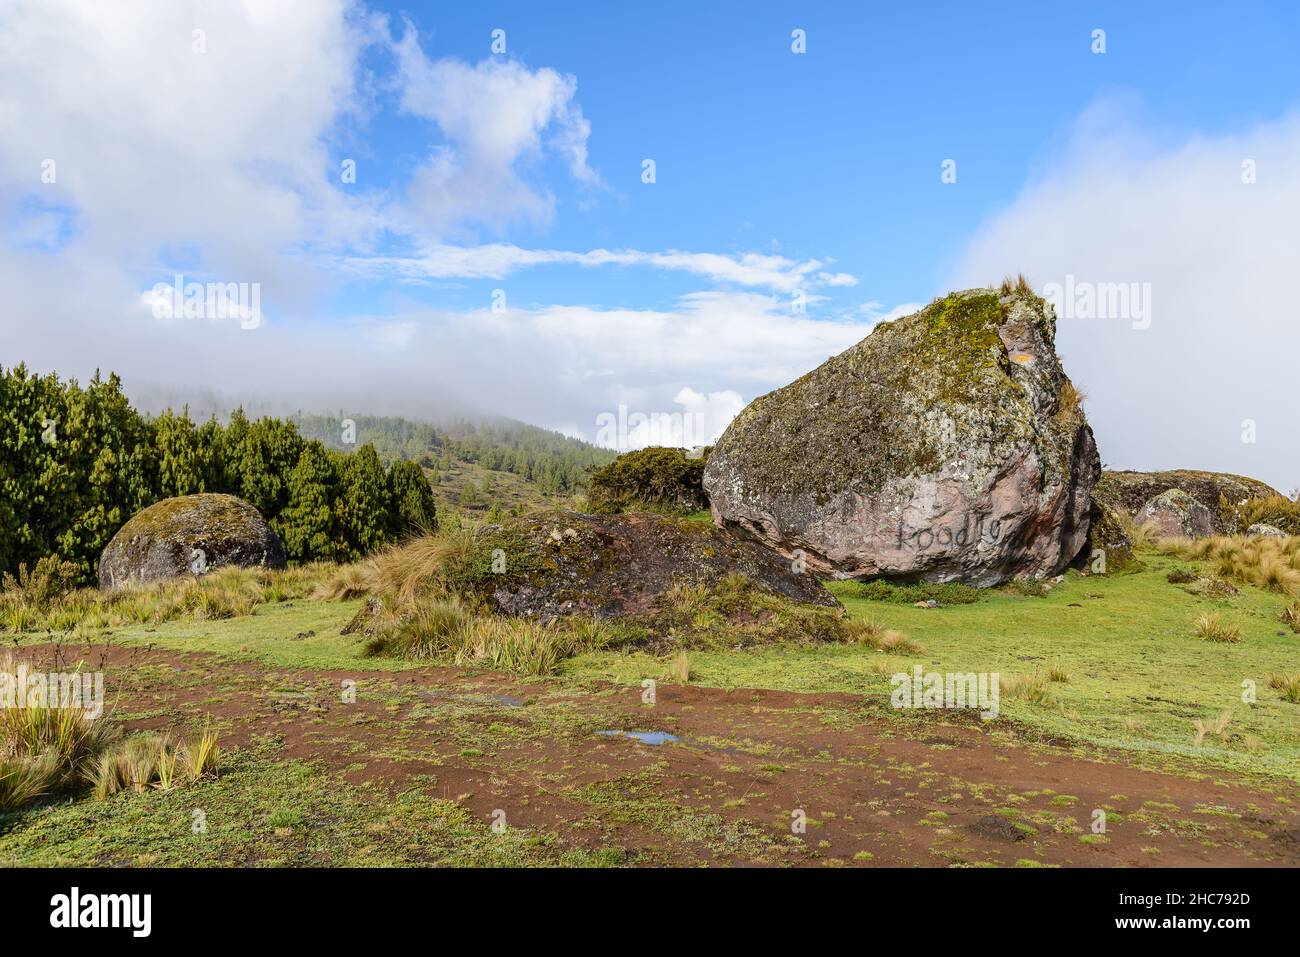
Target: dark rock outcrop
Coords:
[[948, 445], [189, 535], [1109, 546], [566, 563]]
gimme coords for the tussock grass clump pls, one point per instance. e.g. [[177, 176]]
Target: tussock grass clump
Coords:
[[50, 749], [1181, 576], [45, 748], [1033, 688], [1291, 616], [1288, 686], [448, 630], [153, 761], [1143, 536], [1213, 727], [1058, 672], [225, 593], [872, 635], [426, 565], [1069, 406], [1265, 562], [1020, 285], [1212, 627], [25, 778], [679, 669]]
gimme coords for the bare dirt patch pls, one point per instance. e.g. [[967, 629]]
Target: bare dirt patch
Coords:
[[754, 777]]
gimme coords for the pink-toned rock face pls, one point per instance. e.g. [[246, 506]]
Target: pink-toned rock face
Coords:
[[1175, 514], [946, 446]]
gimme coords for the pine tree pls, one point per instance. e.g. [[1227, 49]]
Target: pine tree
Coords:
[[306, 525], [412, 499]]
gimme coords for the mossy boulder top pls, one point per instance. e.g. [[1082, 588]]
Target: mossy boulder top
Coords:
[[948, 445], [1132, 491], [564, 563], [189, 535]]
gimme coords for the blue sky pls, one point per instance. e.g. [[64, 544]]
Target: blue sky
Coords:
[[208, 138], [836, 153]]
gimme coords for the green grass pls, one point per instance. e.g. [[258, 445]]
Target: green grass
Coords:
[[268, 813], [1138, 677]]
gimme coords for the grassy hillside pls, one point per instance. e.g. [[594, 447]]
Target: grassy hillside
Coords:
[[469, 489], [555, 463]]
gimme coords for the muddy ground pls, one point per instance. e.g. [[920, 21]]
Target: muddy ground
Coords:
[[753, 777]]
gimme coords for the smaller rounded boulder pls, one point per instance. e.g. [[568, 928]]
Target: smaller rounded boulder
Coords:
[[189, 535], [1176, 513], [1263, 529]]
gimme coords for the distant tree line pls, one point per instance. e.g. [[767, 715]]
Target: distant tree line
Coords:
[[556, 463], [76, 463]]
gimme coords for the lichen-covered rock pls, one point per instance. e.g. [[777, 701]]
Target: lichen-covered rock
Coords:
[[1132, 490], [948, 445], [1109, 546], [566, 563], [189, 535], [1265, 530], [1176, 514]]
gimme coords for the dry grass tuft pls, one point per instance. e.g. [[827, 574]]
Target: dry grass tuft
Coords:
[[1211, 627], [153, 761], [1288, 686], [1291, 616], [1032, 688], [1019, 285], [45, 748], [679, 669], [1215, 727], [1266, 562], [225, 593], [873, 635]]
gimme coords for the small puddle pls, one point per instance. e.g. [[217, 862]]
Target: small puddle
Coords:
[[645, 737], [508, 700]]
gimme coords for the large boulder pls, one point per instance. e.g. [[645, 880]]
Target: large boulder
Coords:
[[1175, 513], [189, 535], [948, 445]]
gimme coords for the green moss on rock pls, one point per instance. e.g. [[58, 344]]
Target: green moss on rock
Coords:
[[939, 424], [190, 534], [564, 563]]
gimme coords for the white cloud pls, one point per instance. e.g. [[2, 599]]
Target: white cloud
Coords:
[[499, 260], [495, 115], [1219, 256], [698, 419], [218, 165], [156, 145]]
